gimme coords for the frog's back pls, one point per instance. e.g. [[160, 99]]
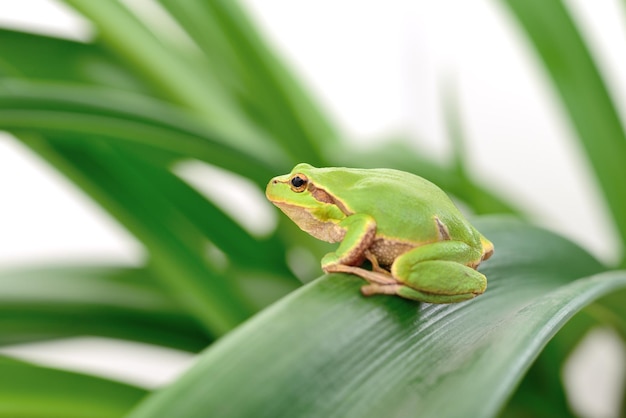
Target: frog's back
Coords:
[[404, 205]]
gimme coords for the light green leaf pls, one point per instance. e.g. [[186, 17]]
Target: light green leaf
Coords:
[[325, 350]]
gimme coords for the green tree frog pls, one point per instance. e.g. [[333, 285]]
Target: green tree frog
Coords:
[[418, 243]]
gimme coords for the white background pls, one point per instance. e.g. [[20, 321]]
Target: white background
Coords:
[[378, 68]]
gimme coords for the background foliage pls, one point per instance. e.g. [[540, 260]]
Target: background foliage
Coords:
[[119, 114]]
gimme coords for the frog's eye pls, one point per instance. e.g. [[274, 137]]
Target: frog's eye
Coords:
[[298, 183]]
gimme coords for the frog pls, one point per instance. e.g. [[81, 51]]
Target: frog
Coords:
[[399, 232]]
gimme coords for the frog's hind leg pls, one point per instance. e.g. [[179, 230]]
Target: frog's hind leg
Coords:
[[440, 272]]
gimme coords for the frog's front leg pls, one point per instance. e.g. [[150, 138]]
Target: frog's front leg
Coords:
[[441, 272], [360, 231]]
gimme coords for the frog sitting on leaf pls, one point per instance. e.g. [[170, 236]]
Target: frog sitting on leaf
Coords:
[[418, 243]]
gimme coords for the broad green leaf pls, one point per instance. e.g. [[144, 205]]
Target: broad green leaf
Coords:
[[32, 391], [325, 350], [584, 94], [124, 303]]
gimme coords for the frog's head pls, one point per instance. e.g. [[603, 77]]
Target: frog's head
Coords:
[[302, 198]]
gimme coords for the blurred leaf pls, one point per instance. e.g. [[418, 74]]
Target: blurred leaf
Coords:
[[327, 351], [578, 81], [39, 57], [83, 112], [175, 245], [164, 68], [462, 185], [541, 393], [246, 251], [269, 93], [171, 72], [32, 391], [125, 303], [611, 311]]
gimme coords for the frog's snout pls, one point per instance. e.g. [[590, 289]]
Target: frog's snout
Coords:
[[271, 187]]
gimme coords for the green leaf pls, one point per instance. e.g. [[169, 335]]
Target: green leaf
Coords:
[[584, 94], [39, 392], [125, 303], [325, 350]]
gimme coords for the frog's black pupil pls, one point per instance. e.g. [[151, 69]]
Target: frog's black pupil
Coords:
[[297, 182]]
